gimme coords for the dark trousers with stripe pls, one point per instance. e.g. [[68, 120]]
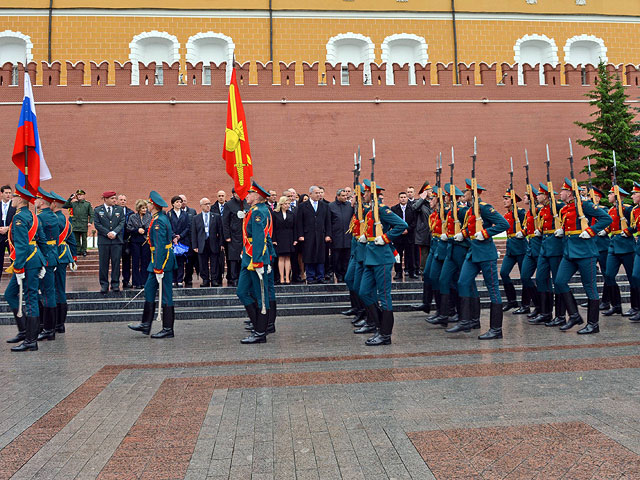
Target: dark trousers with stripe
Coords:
[[547, 268], [529, 265], [586, 266], [376, 285], [467, 280]]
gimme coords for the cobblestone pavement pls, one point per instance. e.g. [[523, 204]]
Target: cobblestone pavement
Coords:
[[105, 402]]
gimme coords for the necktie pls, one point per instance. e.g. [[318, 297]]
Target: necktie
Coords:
[[206, 224], [315, 206], [403, 208], [109, 211], [221, 208]]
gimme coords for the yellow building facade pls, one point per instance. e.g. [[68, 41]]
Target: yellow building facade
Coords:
[[510, 31]]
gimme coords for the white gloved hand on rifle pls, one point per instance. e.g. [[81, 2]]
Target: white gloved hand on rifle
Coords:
[[397, 257], [379, 241], [602, 233], [362, 239], [585, 235], [559, 233], [260, 271], [268, 268], [458, 237], [159, 277], [444, 237], [520, 234], [42, 272], [537, 233], [73, 266], [480, 236], [19, 278]]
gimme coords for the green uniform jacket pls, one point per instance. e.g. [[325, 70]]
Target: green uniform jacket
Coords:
[[67, 249], [574, 246], [161, 243], [392, 228], [255, 237], [27, 254], [516, 246], [620, 245], [49, 244], [80, 214], [494, 223], [602, 242]]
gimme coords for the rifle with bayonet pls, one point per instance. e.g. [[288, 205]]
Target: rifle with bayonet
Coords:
[[474, 188], [374, 194], [557, 224], [356, 187], [616, 191], [532, 198], [452, 193], [439, 185], [514, 206], [592, 194], [584, 223]]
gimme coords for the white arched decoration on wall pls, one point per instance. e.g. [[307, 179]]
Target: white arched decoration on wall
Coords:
[[207, 47], [351, 48], [535, 49], [15, 47], [404, 48], [585, 50], [152, 46]]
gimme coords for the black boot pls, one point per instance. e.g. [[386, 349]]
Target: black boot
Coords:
[[436, 314], [561, 312], [40, 315], [272, 314], [635, 303], [32, 325], [546, 307], [386, 327], [464, 323], [536, 296], [259, 333], [605, 302], [512, 299], [61, 318], [569, 302], [495, 323], [616, 301], [592, 319], [427, 297], [49, 324], [475, 314], [148, 312], [373, 320], [252, 313], [526, 302], [168, 317], [635, 318], [22, 329], [443, 311], [354, 305]]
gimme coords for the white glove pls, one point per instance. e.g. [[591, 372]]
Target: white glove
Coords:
[[444, 237], [458, 237], [585, 235], [559, 233], [479, 236], [268, 268], [499, 254], [623, 234], [397, 257], [603, 233], [379, 241], [42, 272], [362, 239], [73, 266], [260, 271], [19, 278], [537, 233], [159, 277], [520, 234]]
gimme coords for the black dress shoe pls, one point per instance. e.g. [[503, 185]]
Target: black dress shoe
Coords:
[[631, 312], [47, 335], [589, 328], [164, 333], [492, 334], [378, 340], [84, 254], [522, 310], [360, 323], [25, 347], [533, 314], [635, 318], [572, 322], [439, 320], [255, 337], [509, 305], [366, 328], [614, 310], [351, 311], [541, 319], [603, 305], [556, 322]]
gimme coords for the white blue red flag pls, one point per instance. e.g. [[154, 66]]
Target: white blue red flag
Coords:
[[32, 166]]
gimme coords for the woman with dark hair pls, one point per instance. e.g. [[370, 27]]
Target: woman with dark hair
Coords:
[[284, 237], [138, 227], [180, 224]]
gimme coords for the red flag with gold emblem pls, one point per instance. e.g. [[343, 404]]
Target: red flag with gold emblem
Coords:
[[236, 152]]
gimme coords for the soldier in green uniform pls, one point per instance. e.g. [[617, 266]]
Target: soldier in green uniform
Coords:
[[161, 269], [530, 261], [603, 242], [378, 267], [80, 215], [516, 249], [580, 252], [27, 266], [634, 228], [357, 307], [67, 255], [253, 283], [435, 259], [482, 256], [49, 247]]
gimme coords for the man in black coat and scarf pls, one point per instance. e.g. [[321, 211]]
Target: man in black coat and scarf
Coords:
[[341, 214], [313, 224]]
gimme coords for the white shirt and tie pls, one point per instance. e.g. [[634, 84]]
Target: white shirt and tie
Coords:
[[315, 205], [205, 219], [403, 207], [5, 212], [109, 210]]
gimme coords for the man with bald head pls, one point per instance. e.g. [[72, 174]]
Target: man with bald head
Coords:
[[206, 240]]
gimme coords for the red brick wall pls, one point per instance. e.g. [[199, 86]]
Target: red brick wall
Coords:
[[133, 148]]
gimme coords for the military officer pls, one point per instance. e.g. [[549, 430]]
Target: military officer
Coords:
[[580, 252], [530, 260], [482, 256], [621, 252], [161, 269], [365, 324], [27, 267], [378, 266], [252, 283], [603, 242], [435, 259], [80, 215], [67, 255], [49, 247], [548, 262], [516, 249], [634, 227], [357, 307]]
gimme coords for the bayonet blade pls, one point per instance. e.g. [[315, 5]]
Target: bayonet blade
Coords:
[[453, 158], [373, 145], [570, 147], [511, 159], [615, 165], [475, 146], [526, 156]]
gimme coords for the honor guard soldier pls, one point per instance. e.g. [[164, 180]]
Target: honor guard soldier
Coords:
[[49, 247], [548, 261], [580, 252], [161, 270], [482, 256], [621, 251], [378, 265], [530, 261], [436, 257], [603, 242], [357, 307], [634, 228], [253, 283], [457, 249], [27, 267], [67, 255], [516, 249]]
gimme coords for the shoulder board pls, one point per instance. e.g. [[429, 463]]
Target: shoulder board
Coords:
[[18, 222], [255, 207], [483, 203], [387, 210]]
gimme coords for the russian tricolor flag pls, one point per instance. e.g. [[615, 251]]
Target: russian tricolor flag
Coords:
[[27, 138]]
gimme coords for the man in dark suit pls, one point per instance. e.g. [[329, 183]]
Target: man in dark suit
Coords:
[[218, 208], [232, 227], [191, 262], [5, 222], [341, 213], [109, 222], [206, 238], [313, 223], [405, 243], [126, 248]]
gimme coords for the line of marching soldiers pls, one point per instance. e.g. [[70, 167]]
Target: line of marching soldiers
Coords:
[[41, 247], [548, 250]]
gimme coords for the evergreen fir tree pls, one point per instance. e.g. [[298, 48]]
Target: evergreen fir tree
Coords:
[[612, 128]]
